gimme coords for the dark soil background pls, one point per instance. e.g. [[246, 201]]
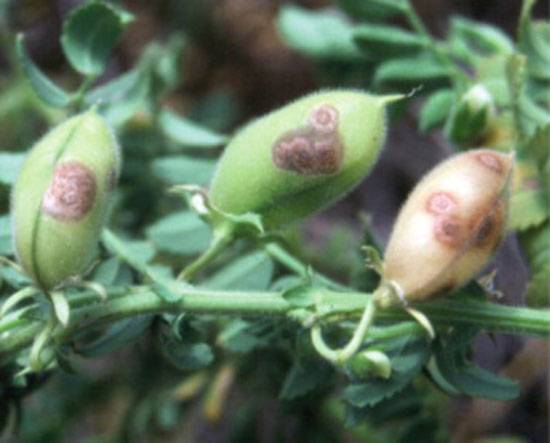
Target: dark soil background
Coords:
[[235, 47]]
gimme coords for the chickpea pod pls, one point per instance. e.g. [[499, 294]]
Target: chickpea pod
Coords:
[[61, 197], [298, 159], [450, 225]]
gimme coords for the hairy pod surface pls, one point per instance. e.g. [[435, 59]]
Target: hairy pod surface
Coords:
[[301, 157], [61, 197], [450, 224]]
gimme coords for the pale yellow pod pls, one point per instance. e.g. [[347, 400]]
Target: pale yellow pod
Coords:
[[450, 224]]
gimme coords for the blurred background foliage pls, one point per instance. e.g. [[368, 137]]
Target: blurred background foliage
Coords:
[[220, 63]]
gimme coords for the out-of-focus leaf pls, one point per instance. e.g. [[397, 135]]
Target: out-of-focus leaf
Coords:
[[238, 336], [480, 37], [181, 233], [304, 377], [411, 72], [538, 146], [121, 98], [534, 42], [115, 337], [528, 208], [167, 66], [14, 278], [370, 10], [134, 252], [319, 34], [187, 357], [252, 271], [6, 246], [90, 33], [10, 163], [380, 42], [436, 109], [48, 91], [536, 47], [538, 289], [458, 373], [106, 272], [218, 110], [188, 133], [183, 169], [535, 243]]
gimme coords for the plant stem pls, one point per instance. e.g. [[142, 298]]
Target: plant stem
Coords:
[[87, 311], [219, 243], [277, 252], [339, 356]]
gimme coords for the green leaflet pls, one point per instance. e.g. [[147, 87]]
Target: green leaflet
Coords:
[[90, 33], [322, 34], [436, 109], [183, 169], [456, 370], [182, 233], [10, 163], [251, 271]]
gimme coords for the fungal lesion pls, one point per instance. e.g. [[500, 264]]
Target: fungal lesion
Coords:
[[490, 161], [441, 203], [448, 230], [71, 194], [314, 149], [487, 232]]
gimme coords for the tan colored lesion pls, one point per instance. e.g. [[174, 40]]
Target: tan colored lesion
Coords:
[[449, 231], [314, 149], [72, 192], [441, 203], [490, 161]]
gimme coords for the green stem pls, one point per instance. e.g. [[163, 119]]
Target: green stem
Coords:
[[86, 312], [220, 241], [79, 95], [339, 356], [277, 252]]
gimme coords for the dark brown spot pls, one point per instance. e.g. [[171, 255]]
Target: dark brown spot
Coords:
[[488, 230], [72, 192], [447, 230], [491, 161], [324, 118], [308, 152], [484, 229], [441, 203]]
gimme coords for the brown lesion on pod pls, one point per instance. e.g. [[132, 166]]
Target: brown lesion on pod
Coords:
[[488, 230], [324, 118], [490, 161], [441, 203], [71, 194], [315, 149], [448, 230]]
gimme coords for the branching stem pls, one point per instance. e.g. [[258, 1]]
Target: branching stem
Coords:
[[87, 311]]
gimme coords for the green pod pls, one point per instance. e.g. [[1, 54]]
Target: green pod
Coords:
[[472, 116], [298, 159], [61, 197]]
